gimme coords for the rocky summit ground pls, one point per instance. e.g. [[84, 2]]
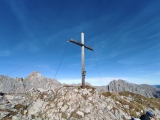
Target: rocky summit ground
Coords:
[[74, 103]]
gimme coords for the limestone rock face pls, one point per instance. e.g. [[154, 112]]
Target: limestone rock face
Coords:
[[121, 85], [36, 80], [6, 84], [19, 85]]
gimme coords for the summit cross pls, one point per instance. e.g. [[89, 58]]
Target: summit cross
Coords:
[[82, 55]]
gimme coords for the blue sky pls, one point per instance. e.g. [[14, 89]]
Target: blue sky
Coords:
[[125, 36]]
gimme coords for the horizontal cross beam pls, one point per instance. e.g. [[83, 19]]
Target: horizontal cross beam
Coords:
[[80, 44]]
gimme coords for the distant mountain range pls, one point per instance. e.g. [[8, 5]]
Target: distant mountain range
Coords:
[[158, 86], [36, 80]]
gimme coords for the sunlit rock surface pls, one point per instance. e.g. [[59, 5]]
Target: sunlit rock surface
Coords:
[[121, 85], [21, 85], [71, 103], [38, 98]]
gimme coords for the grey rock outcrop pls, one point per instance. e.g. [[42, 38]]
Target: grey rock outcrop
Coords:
[[36, 80], [19, 85], [121, 85], [5, 84]]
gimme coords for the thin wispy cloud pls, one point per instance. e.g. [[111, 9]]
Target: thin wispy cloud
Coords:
[[45, 68], [5, 53], [19, 9], [25, 45], [32, 47], [126, 62]]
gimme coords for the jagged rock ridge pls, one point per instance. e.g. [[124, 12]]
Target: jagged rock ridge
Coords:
[[19, 85], [121, 85]]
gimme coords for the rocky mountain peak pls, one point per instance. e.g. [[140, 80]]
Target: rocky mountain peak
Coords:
[[122, 85], [21, 85], [35, 74]]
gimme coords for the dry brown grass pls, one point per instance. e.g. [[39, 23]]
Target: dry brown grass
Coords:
[[19, 106], [6, 118], [141, 100], [112, 94], [74, 114], [137, 103], [64, 116]]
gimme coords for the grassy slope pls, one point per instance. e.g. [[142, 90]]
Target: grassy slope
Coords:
[[135, 102]]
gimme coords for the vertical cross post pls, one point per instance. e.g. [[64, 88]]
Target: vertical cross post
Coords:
[[83, 70], [82, 55]]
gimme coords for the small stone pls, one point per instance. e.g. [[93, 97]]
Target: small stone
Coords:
[[63, 109], [80, 113], [15, 118], [126, 106]]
